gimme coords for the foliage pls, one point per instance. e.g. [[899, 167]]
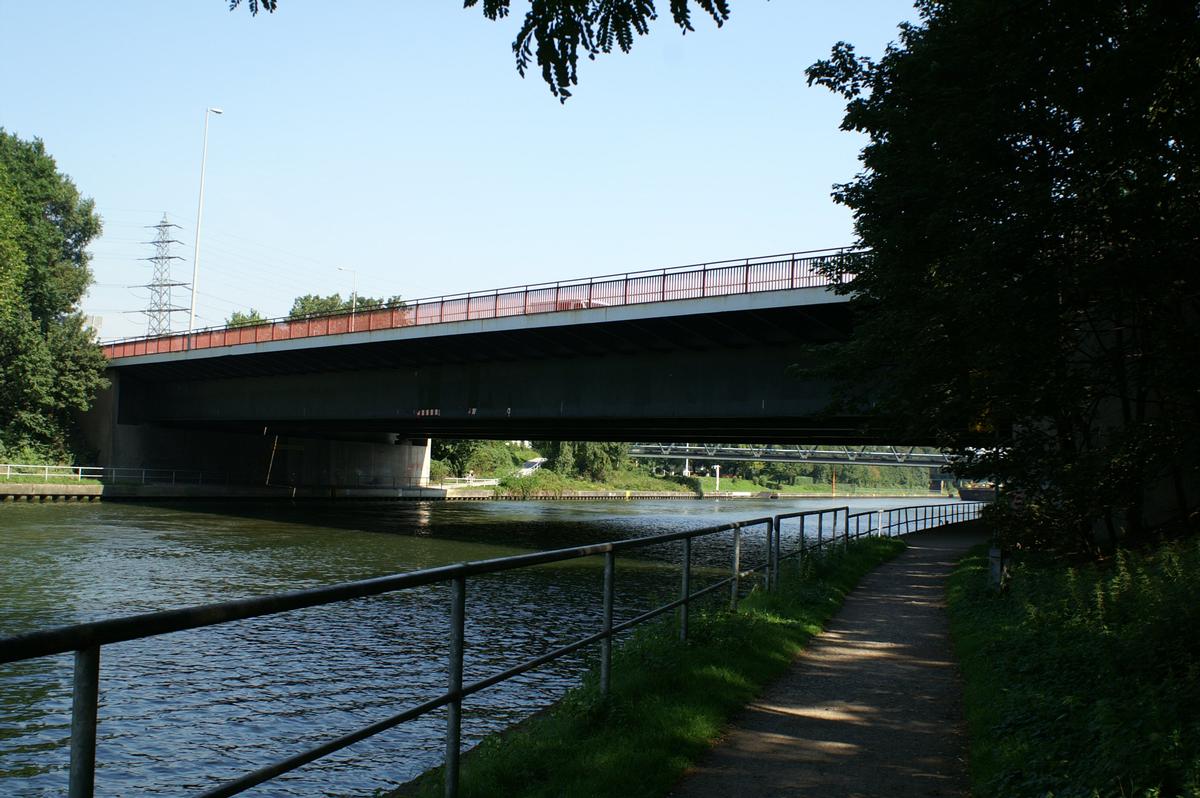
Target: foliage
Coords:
[[588, 459], [549, 482], [553, 34], [494, 459], [1031, 199], [438, 471], [670, 700], [454, 452], [240, 319], [317, 305], [1083, 681], [50, 365]]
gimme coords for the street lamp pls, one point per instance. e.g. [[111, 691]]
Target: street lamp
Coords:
[[199, 216], [353, 294]]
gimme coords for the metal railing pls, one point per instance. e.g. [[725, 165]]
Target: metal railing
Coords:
[[138, 476], [86, 640], [720, 278]]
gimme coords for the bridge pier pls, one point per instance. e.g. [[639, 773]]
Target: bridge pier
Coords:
[[382, 460]]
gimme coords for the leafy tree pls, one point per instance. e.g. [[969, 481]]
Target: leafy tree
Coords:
[[555, 32], [316, 305], [455, 453], [592, 460], [1031, 197], [50, 365], [240, 319]]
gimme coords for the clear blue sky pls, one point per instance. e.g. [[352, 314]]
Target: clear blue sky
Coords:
[[396, 138]]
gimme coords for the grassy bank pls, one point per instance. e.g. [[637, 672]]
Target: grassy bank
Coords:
[[35, 479], [545, 481], [1083, 681], [669, 700]]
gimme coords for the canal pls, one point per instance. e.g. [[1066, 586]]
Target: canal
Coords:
[[183, 712]]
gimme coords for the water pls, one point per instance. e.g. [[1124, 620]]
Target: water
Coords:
[[180, 713]]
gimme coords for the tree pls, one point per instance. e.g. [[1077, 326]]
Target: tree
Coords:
[[240, 319], [1031, 198], [50, 364], [455, 453], [316, 305], [555, 33], [588, 459]]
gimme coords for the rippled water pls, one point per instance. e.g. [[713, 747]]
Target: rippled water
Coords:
[[180, 713]]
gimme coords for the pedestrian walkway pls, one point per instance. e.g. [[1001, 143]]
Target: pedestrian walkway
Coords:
[[873, 705]]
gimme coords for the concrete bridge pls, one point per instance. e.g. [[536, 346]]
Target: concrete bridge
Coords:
[[693, 353]]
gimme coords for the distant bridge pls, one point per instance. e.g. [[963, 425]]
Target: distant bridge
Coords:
[[830, 455]]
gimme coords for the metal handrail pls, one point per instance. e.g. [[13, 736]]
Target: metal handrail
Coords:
[[626, 288], [145, 476], [86, 639]]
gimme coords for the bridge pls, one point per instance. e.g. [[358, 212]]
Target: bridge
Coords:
[[700, 352], [829, 455]]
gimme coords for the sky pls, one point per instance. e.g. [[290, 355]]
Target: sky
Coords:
[[396, 140]]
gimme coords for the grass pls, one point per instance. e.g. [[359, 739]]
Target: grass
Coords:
[[37, 479], [545, 481], [1083, 681], [669, 700]]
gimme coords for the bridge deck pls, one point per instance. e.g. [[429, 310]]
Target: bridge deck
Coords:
[[750, 275]]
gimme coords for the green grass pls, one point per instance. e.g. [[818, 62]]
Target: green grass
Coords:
[[35, 479], [1083, 681], [670, 700], [546, 481]]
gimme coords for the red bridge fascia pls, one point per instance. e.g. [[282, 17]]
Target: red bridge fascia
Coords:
[[807, 269]]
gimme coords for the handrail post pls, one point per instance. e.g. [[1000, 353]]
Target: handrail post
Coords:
[[737, 568], [84, 699], [685, 589], [458, 601], [769, 577], [820, 530], [610, 567], [846, 527], [774, 538]]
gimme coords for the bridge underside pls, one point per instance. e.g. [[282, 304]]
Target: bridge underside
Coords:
[[707, 376]]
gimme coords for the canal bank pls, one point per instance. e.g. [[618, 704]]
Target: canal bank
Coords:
[[75, 492]]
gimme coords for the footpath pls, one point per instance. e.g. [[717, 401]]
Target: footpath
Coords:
[[872, 708]]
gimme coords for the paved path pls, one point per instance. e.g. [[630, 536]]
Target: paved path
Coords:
[[871, 708]]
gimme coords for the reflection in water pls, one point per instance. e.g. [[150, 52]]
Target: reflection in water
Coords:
[[182, 712]]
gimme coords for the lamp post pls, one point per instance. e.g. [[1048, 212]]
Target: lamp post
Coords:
[[353, 293], [199, 217]]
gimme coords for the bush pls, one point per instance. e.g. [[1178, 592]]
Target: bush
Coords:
[[492, 459], [438, 470], [1083, 681]]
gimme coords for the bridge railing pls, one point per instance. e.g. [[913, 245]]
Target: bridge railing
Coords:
[[744, 276], [86, 640]]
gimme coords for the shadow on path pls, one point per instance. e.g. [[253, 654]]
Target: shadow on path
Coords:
[[873, 705]]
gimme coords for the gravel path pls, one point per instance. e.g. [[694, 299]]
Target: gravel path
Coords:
[[873, 705]]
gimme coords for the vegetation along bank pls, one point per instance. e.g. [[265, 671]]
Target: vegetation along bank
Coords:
[[1082, 679]]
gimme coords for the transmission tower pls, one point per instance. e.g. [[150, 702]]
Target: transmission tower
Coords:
[[158, 311]]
